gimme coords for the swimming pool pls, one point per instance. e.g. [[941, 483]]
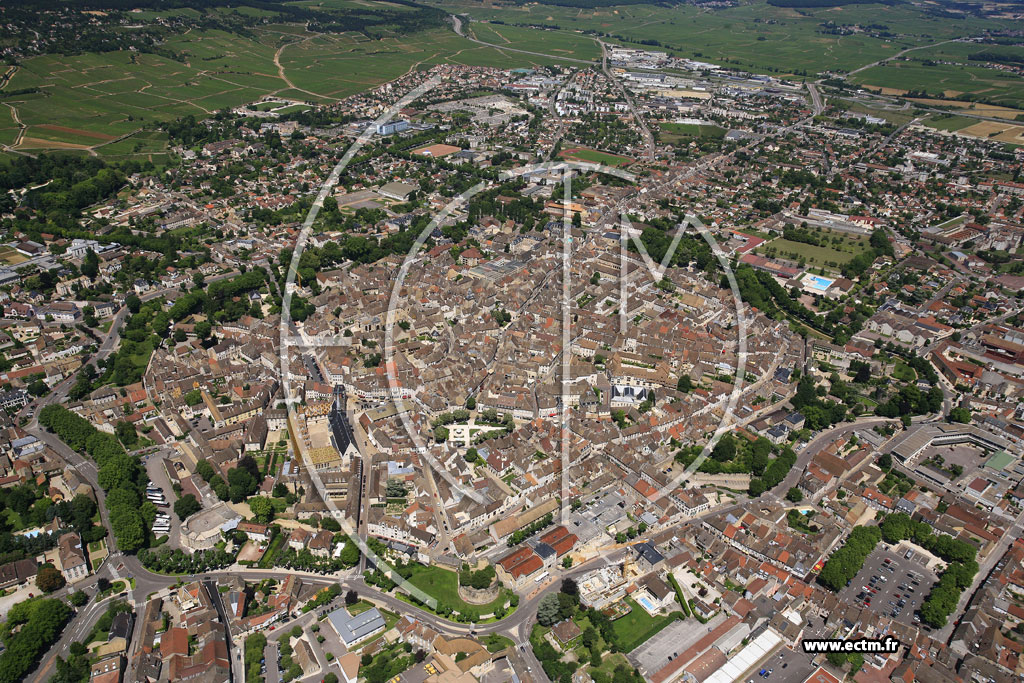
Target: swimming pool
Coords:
[[645, 603], [818, 283]]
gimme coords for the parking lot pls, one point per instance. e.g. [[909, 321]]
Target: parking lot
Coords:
[[886, 580], [785, 665]]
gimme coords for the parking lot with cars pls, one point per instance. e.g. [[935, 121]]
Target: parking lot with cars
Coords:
[[893, 584]]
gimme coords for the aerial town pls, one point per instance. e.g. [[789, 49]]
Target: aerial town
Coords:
[[639, 371]]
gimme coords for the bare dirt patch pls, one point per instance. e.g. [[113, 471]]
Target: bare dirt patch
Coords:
[[76, 131]]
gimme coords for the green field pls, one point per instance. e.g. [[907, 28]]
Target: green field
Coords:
[[685, 132], [563, 43], [946, 80], [904, 372], [752, 35], [89, 100], [595, 156], [444, 586], [949, 122], [841, 248], [609, 664], [638, 626]]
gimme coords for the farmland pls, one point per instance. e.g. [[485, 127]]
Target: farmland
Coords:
[[538, 40], [753, 36], [92, 101], [991, 110], [110, 103], [947, 80]]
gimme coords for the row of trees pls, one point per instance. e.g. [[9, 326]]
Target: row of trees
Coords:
[[774, 473], [844, 564], [960, 571], [167, 561], [120, 475], [521, 535], [31, 627], [254, 646]]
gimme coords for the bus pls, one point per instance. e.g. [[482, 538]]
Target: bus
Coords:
[[541, 578]]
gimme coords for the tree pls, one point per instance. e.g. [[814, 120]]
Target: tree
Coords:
[[90, 264], [351, 598], [725, 449], [962, 415], [548, 610], [471, 403], [81, 510], [794, 495], [350, 553], [126, 434], [128, 529], [78, 598], [241, 483], [49, 579], [186, 505], [685, 384], [262, 509]]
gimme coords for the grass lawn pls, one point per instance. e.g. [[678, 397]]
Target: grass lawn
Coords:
[[609, 664], [14, 519], [636, 627], [359, 607], [676, 132], [837, 248], [267, 561], [904, 372], [594, 156], [496, 643], [949, 122], [444, 586]]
